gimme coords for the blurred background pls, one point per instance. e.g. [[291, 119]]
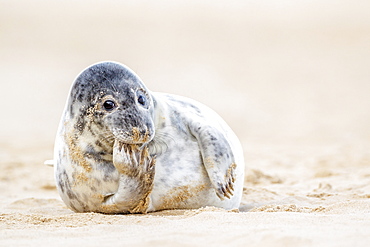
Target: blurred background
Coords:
[[277, 71]]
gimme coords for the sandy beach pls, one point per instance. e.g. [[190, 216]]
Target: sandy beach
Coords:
[[292, 79]]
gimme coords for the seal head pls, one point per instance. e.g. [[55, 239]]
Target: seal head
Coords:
[[111, 98]]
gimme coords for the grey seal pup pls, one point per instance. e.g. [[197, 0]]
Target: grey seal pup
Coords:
[[121, 148]]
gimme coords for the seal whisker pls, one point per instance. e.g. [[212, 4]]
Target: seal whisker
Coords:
[[160, 143], [154, 148], [107, 136]]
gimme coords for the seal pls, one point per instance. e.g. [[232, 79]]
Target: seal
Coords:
[[121, 148]]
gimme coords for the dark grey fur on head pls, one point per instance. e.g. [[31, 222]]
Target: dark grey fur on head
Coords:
[[112, 98]]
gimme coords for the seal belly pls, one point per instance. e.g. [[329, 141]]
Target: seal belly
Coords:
[[85, 191], [82, 182], [180, 181]]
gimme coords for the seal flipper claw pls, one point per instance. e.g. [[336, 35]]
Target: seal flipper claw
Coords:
[[228, 190], [219, 196], [231, 185]]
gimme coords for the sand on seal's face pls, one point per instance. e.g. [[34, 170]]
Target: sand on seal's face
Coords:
[[298, 71]]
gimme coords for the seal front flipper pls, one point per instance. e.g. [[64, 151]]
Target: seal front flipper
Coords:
[[136, 168], [218, 158]]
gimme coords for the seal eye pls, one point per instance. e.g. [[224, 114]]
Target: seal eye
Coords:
[[141, 100], [109, 105]]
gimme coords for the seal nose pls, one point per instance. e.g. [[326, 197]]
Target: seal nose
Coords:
[[140, 135], [144, 131]]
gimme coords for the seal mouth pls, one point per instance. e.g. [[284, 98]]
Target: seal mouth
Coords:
[[133, 146], [135, 137]]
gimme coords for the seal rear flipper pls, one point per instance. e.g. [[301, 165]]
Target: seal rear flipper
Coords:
[[49, 162], [218, 158]]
